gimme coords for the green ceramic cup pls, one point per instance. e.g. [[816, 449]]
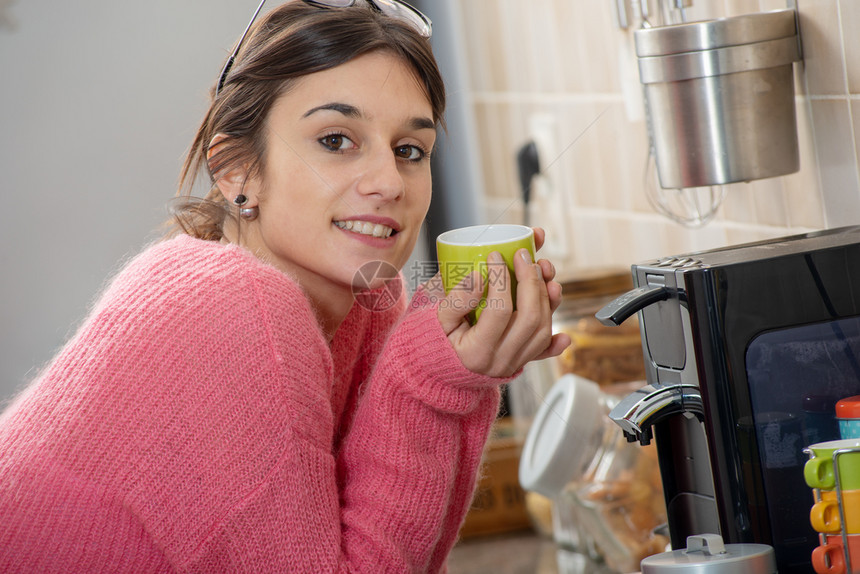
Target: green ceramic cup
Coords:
[[818, 471], [461, 251]]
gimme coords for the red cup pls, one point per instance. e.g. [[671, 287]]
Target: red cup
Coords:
[[829, 558]]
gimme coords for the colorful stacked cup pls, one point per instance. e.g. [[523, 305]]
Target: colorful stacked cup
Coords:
[[848, 415], [833, 471]]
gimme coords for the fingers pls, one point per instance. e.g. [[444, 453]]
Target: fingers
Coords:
[[532, 329], [515, 337], [540, 237], [503, 340], [496, 315], [547, 269], [460, 301], [559, 342], [553, 288], [532, 296], [538, 296]]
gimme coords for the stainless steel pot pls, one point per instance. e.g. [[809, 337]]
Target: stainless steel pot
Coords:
[[720, 98]]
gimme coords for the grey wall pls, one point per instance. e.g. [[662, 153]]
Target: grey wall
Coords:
[[99, 100]]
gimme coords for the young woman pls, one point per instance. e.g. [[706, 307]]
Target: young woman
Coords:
[[226, 406]]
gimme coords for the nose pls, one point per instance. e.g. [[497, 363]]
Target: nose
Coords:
[[381, 176]]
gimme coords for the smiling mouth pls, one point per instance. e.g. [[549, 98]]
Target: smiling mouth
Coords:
[[366, 228]]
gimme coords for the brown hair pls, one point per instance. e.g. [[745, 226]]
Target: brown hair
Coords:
[[291, 41]]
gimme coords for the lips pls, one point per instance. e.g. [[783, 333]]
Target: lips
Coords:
[[366, 228]]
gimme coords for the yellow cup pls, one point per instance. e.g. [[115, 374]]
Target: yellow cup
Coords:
[[461, 251], [824, 515]]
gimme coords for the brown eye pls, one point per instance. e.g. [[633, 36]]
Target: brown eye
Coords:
[[410, 152], [336, 142]]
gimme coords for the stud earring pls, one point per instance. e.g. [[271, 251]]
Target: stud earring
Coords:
[[246, 213]]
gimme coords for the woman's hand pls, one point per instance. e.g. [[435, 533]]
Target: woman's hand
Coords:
[[504, 340]]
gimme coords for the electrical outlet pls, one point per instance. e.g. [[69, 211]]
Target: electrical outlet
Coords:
[[549, 206]]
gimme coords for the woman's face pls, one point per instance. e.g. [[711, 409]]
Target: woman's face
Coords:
[[347, 177]]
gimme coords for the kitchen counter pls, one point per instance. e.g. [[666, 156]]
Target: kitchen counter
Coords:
[[522, 552]]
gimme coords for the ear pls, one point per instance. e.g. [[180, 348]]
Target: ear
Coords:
[[231, 183]]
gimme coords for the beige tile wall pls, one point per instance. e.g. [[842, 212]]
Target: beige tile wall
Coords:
[[567, 61]]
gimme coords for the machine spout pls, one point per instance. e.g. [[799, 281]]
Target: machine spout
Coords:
[[636, 412]]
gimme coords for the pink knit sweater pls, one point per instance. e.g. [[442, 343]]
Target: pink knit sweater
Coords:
[[199, 422]]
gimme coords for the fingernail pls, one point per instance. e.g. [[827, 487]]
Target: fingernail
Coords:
[[495, 257], [527, 257], [539, 271]]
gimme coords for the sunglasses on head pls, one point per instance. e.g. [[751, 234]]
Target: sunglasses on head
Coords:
[[394, 8]]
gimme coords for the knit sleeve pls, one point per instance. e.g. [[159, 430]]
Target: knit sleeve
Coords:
[[392, 497], [189, 426], [390, 494], [177, 428], [409, 464]]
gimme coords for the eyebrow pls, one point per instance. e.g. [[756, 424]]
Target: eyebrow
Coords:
[[345, 109], [422, 123], [417, 123]]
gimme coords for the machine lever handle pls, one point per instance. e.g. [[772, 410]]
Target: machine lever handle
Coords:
[[617, 311]]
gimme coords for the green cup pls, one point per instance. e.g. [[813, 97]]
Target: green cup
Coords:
[[461, 251], [818, 470]]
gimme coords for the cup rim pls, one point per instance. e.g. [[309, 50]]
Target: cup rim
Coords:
[[468, 236], [836, 444], [828, 538]]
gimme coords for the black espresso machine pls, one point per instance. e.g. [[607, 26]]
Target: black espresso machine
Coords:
[[747, 350]]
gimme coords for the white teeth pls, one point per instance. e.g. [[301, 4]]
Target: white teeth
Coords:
[[366, 228]]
